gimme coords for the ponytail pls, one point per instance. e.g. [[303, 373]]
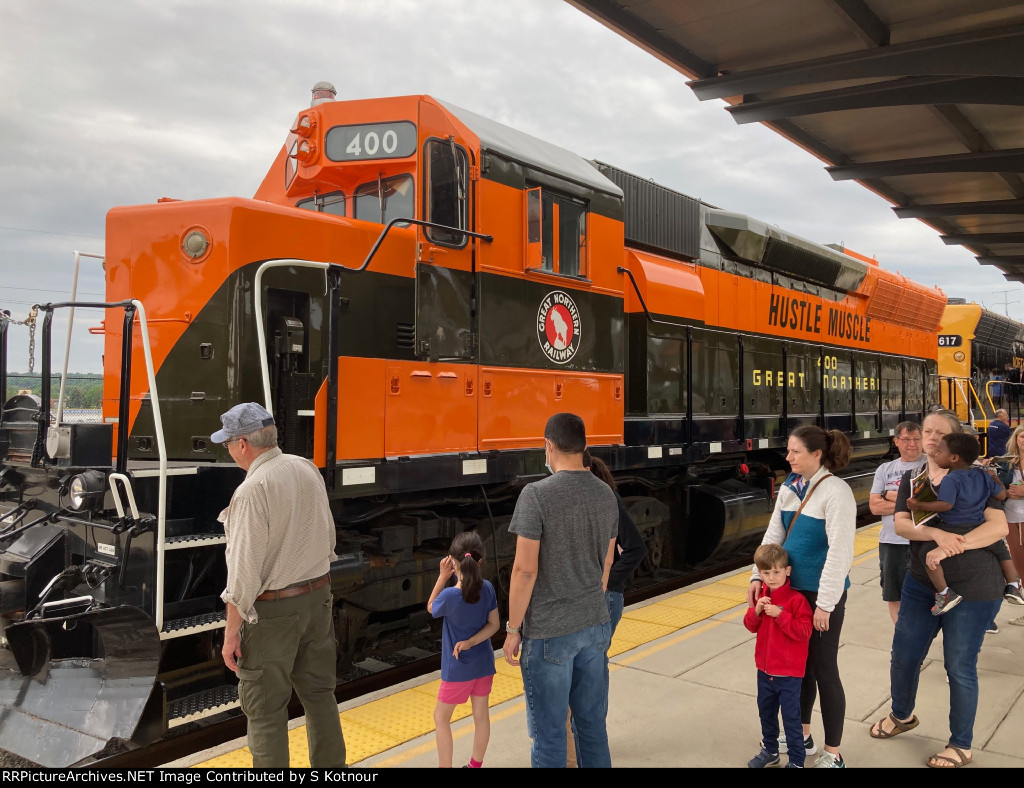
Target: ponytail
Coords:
[[833, 445], [599, 468], [468, 550]]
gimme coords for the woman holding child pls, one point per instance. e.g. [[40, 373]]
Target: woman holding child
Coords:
[[976, 575], [815, 521]]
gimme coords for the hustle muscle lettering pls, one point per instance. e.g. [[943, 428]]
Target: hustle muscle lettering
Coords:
[[794, 313], [801, 315]]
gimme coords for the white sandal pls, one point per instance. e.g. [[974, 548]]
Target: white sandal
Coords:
[[1018, 621]]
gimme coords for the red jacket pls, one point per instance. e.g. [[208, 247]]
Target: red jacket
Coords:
[[781, 648]]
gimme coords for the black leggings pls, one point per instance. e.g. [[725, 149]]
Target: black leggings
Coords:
[[822, 674]]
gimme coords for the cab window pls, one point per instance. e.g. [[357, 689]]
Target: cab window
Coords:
[[333, 203], [446, 193], [384, 199], [563, 233]]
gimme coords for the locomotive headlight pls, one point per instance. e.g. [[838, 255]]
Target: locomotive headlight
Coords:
[[86, 490]]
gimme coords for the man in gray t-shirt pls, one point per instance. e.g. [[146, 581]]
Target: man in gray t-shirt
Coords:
[[566, 526], [893, 550]]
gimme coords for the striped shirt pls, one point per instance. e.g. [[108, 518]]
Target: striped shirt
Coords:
[[279, 529]]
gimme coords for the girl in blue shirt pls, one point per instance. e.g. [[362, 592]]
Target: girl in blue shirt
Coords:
[[470, 611]]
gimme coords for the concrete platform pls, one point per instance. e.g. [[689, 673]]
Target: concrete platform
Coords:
[[683, 692]]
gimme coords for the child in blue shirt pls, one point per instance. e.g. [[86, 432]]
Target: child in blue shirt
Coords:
[[470, 611], [962, 497]]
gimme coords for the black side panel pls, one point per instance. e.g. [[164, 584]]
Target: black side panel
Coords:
[[510, 310], [444, 312]]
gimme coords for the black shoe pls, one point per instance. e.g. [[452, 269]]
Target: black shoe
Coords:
[[763, 759]]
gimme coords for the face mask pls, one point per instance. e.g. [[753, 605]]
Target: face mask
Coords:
[[549, 469]]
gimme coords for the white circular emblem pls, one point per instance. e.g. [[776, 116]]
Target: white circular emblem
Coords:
[[558, 326]]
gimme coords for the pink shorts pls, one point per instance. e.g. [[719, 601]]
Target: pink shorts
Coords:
[[456, 692]]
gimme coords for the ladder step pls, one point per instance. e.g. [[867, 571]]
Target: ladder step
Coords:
[[190, 625], [194, 540], [202, 704]]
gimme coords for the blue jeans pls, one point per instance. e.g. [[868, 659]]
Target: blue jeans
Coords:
[[615, 602], [775, 693], [963, 631], [563, 673]]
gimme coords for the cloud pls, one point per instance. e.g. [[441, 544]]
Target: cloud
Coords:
[[119, 102]]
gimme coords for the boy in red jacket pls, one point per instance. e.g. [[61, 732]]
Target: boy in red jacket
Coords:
[[782, 620]]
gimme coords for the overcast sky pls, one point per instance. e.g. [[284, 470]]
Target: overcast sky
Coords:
[[119, 102]]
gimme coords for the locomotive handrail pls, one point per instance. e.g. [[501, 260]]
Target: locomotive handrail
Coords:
[[71, 323], [131, 308], [261, 334], [419, 223]]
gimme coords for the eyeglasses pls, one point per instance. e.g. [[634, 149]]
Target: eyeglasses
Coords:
[[910, 439], [229, 441]]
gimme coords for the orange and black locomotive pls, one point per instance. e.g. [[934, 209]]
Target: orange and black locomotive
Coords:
[[412, 291]]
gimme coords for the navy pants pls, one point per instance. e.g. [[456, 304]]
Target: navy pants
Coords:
[[775, 693]]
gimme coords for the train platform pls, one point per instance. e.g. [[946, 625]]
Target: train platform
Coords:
[[683, 692]]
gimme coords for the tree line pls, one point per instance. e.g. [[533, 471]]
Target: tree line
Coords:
[[82, 390]]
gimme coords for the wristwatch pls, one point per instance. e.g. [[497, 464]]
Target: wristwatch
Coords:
[[511, 629]]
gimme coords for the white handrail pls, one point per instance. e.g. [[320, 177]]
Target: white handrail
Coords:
[[158, 425], [71, 322], [117, 496], [261, 334]]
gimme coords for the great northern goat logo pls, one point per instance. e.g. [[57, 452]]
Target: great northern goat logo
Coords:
[[558, 326]]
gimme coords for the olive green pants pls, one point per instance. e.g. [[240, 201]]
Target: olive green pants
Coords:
[[291, 646]]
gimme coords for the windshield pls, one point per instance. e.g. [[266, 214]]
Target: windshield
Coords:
[[384, 199]]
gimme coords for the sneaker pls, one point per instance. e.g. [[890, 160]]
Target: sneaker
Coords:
[[993, 630], [809, 747], [829, 761], [946, 602], [1013, 595], [792, 765], [763, 760]]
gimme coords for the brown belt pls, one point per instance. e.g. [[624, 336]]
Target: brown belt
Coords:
[[295, 589]]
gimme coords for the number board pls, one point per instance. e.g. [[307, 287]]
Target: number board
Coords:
[[371, 141], [950, 340]]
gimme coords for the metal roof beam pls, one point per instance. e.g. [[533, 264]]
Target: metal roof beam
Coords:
[[985, 53], [869, 27], [990, 161], [1010, 259], [984, 207], [972, 139], [898, 92], [613, 16], [969, 239]]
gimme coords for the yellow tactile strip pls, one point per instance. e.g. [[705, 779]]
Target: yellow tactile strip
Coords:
[[385, 723]]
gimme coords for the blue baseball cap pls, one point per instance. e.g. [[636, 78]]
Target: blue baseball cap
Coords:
[[242, 419]]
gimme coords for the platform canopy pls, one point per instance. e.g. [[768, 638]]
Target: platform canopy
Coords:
[[921, 101]]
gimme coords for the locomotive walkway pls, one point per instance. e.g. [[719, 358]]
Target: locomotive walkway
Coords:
[[683, 692]]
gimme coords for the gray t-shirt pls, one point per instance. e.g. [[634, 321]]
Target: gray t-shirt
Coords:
[[888, 477], [574, 515]]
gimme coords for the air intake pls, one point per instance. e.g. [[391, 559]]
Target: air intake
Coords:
[[775, 250]]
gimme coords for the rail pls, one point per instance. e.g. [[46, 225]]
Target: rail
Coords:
[[132, 309]]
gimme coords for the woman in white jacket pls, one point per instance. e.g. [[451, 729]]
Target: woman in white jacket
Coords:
[[815, 519]]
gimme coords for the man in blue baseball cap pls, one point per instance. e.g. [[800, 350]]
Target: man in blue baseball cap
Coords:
[[280, 628]]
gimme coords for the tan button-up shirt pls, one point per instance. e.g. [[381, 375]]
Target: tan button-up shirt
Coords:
[[279, 529]]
